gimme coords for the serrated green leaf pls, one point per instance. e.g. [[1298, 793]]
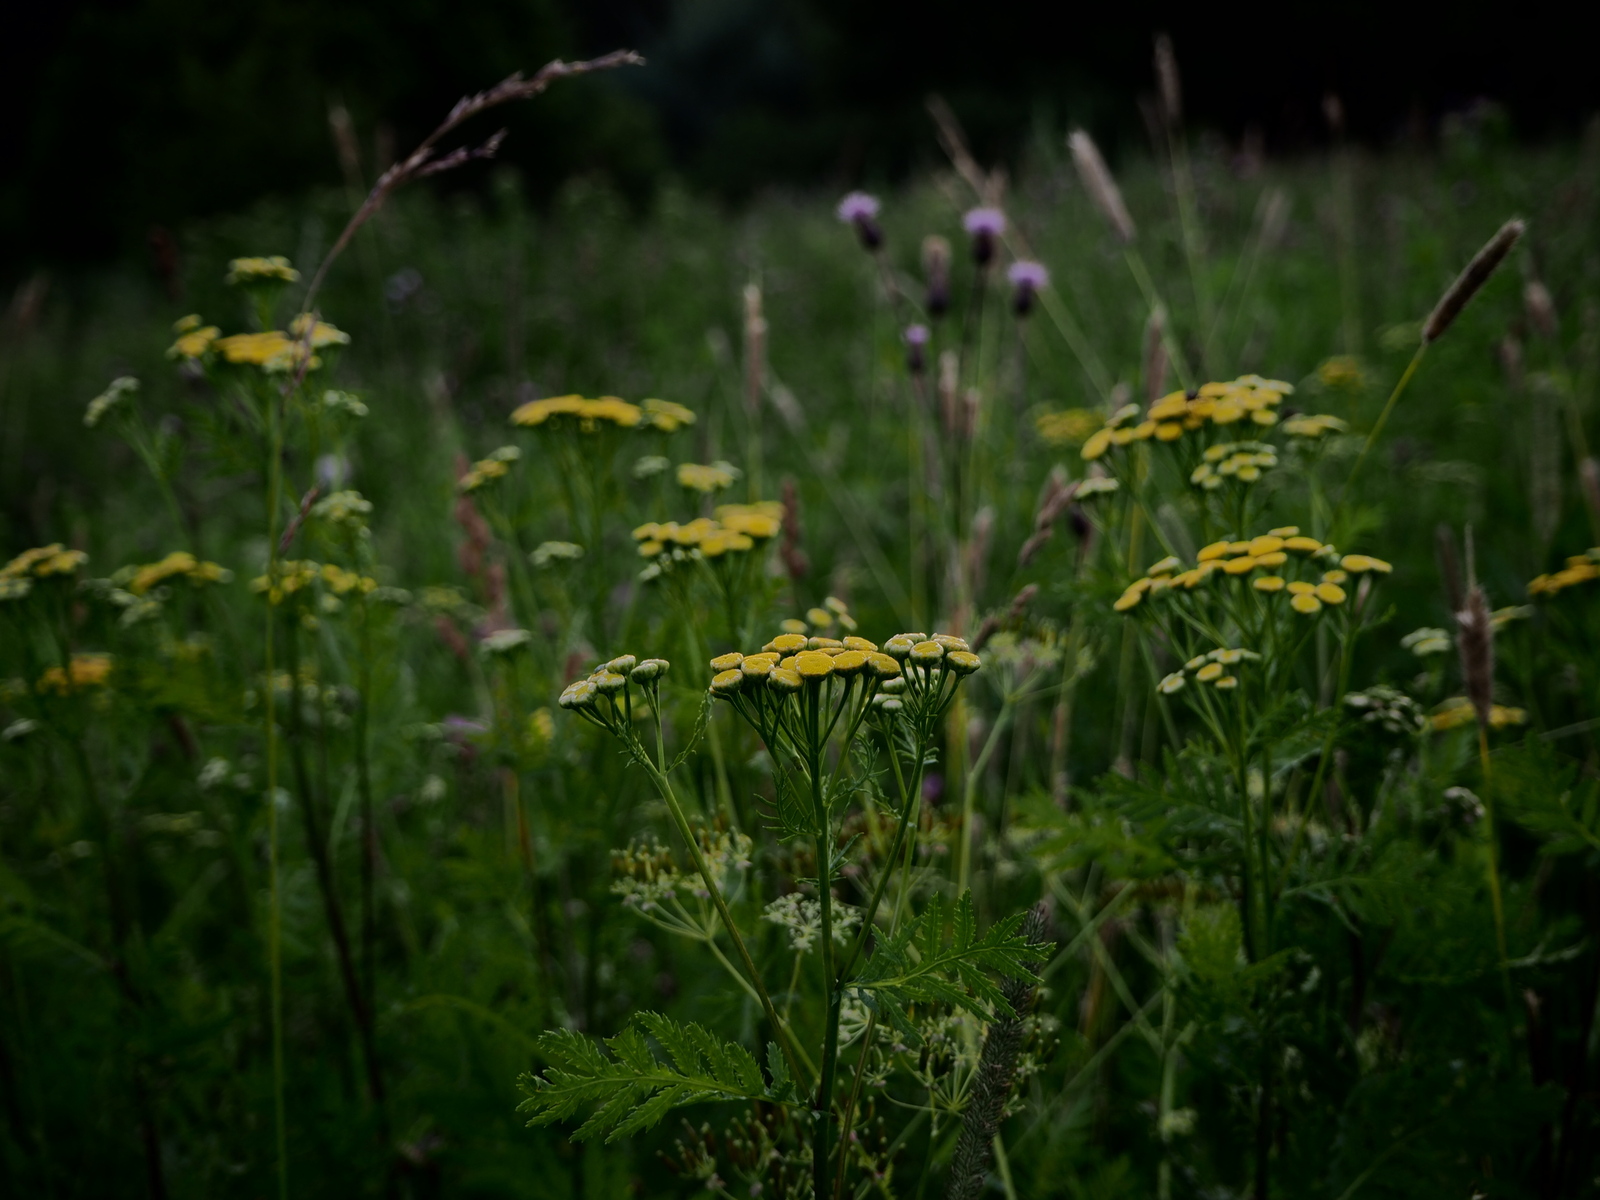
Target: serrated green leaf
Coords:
[[634, 1089], [916, 965]]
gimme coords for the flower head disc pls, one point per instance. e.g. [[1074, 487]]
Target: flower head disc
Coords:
[[883, 666], [1305, 603], [926, 654], [849, 662], [1359, 563], [650, 670], [861, 644], [813, 664], [785, 680], [789, 643], [727, 683], [963, 662], [727, 662]]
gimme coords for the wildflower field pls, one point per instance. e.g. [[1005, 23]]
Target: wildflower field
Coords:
[[1063, 685]]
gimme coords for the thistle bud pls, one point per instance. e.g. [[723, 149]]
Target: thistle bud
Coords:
[[936, 266], [950, 641], [861, 211], [650, 670], [1027, 279], [984, 226], [894, 686], [916, 339], [886, 704], [622, 664]]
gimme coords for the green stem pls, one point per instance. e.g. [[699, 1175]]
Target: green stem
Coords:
[[664, 788], [268, 705], [1372, 438], [822, 1116], [1494, 867]]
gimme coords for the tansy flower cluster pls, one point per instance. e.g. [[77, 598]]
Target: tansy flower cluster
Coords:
[[1169, 418], [244, 272], [1580, 568], [1313, 425], [832, 676], [296, 575], [821, 620], [178, 564], [1070, 427], [1242, 462], [707, 478], [1458, 711], [42, 562], [86, 671], [274, 351], [194, 339], [736, 529], [488, 470], [590, 416], [1213, 668], [1267, 559], [604, 698]]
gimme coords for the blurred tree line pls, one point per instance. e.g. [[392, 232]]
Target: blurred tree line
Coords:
[[128, 117]]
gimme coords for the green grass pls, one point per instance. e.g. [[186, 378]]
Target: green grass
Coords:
[[1379, 1015]]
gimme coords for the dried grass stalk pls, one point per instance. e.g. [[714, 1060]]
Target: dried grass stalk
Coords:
[[1541, 309], [1155, 355], [1467, 285], [1102, 188], [1168, 80], [1475, 640]]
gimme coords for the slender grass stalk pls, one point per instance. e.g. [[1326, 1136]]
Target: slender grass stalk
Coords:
[[268, 705], [1491, 849]]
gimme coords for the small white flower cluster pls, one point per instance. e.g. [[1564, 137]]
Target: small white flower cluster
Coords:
[[802, 917], [1389, 708]]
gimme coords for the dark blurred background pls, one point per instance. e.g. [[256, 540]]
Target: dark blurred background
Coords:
[[127, 118]]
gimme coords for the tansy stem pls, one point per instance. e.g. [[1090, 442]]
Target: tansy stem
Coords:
[[664, 787], [268, 705]]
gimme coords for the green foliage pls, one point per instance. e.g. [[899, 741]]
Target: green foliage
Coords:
[[922, 964], [634, 1089]]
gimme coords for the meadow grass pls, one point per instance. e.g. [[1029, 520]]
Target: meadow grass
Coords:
[[1326, 930]]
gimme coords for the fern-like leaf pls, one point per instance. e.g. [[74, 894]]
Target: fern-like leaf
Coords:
[[633, 1089], [919, 964]]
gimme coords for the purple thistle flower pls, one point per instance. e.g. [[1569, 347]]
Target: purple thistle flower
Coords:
[[916, 339], [861, 210], [984, 225], [1027, 278]]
